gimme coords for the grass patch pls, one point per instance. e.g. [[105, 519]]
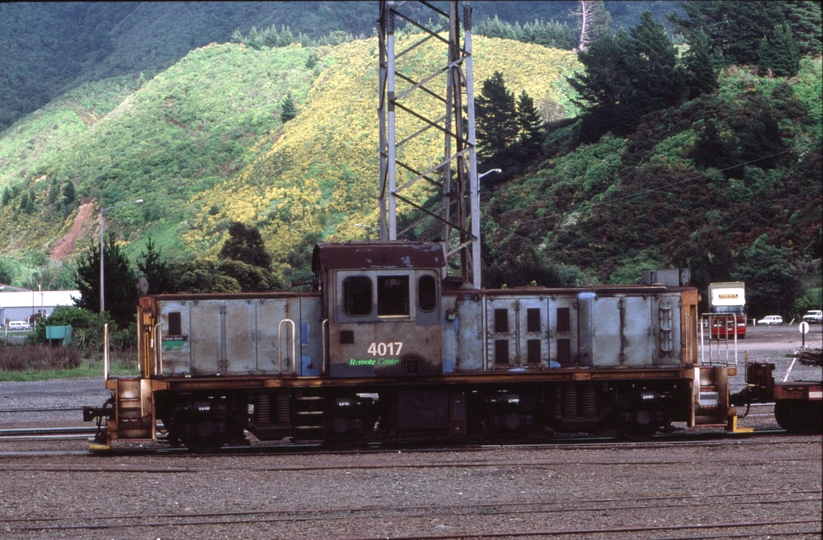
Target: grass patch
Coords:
[[42, 362]]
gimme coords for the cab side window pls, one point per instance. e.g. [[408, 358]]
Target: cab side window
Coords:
[[427, 293], [357, 296]]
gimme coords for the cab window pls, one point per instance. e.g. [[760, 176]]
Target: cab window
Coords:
[[426, 293], [357, 296], [392, 296]]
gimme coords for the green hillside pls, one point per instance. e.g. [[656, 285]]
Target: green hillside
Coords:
[[727, 185], [203, 144], [50, 48]]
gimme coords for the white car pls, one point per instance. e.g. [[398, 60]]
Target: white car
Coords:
[[814, 316], [771, 319], [19, 325]]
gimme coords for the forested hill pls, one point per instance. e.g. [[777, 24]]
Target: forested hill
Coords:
[[708, 160], [50, 48], [204, 143]]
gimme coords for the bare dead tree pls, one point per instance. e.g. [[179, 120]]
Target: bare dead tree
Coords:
[[593, 17]]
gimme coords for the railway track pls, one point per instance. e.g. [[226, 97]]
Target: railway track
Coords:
[[488, 513], [287, 448]]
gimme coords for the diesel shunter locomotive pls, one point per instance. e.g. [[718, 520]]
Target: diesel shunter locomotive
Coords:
[[385, 350]]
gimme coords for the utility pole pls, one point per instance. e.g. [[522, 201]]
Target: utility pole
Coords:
[[408, 122]]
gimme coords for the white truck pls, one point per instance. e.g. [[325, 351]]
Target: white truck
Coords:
[[727, 304]]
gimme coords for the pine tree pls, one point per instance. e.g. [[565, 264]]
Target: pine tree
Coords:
[[288, 109], [804, 18], [311, 61], [779, 53], [496, 119], [119, 281], [701, 70], [68, 193], [626, 77], [530, 125], [735, 28], [246, 245], [601, 87], [653, 61], [155, 269]]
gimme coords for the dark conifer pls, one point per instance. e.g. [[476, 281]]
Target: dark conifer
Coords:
[[530, 124], [246, 245], [288, 110], [701, 69], [626, 77], [496, 117], [155, 270], [68, 193], [119, 281], [779, 52]]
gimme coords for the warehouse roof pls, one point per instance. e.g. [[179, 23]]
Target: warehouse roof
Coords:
[[37, 298]]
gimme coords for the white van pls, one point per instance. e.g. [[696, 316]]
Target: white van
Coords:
[[19, 325]]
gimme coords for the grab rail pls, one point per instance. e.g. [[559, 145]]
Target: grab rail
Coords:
[[157, 345], [323, 336], [280, 344]]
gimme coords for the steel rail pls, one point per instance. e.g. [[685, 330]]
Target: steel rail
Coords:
[[554, 506], [325, 517], [46, 432], [33, 409], [552, 503]]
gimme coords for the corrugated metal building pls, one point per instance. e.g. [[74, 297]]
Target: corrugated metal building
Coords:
[[21, 305]]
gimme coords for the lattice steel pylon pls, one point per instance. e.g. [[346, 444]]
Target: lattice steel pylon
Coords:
[[405, 115]]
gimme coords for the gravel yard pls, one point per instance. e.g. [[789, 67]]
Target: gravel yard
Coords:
[[692, 489]]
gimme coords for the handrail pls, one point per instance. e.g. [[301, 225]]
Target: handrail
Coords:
[[712, 319], [106, 352], [689, 329], [157, 344], [280, 344], [323, 336]]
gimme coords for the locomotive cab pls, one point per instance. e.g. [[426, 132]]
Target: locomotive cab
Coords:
[[382, 307]]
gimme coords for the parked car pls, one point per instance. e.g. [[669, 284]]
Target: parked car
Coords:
[[771, 319], [813, 316], [19, 325]]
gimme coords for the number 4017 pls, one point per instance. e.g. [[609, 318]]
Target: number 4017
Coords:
[[392, 348]]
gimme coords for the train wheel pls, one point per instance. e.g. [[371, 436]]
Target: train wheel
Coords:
[[782, 413], [796, 416], [204, 445], [204, 437], [814, 417]]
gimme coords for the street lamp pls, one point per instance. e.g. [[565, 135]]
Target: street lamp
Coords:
[[102, 228], [489, 172]]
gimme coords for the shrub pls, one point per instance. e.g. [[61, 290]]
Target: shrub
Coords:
[[38, 358]]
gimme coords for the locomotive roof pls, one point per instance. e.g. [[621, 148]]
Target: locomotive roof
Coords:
[[377, 255]]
